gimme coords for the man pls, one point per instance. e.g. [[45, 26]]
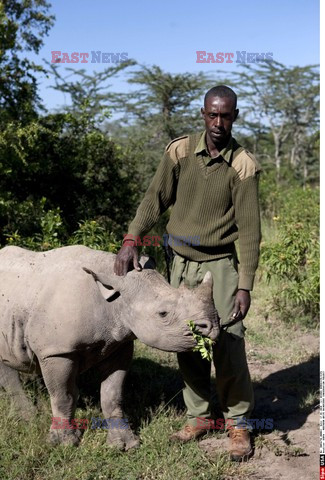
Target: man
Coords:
[[212, 183]]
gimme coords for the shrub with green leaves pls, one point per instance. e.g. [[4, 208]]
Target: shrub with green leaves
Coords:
[[93, 235], [291, 260], [50, 233], [48, 230]]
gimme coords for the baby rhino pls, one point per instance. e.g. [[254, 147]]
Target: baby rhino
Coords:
[[64, 311]]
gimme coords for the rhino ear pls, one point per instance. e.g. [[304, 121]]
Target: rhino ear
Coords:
[[147, 262], [107, 291]]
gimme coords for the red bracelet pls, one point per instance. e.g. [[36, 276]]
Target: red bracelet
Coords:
[[128, 240], [128, 243]]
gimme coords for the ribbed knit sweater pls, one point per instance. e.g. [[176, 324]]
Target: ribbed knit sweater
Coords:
[[214, 200]]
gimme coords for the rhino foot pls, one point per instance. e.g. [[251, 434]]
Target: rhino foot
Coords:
[[64, 437], [122, 439]]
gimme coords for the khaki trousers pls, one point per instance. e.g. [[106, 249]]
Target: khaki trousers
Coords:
[[233, 381]]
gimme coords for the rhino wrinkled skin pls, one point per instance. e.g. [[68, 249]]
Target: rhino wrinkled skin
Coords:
[[64, 311]]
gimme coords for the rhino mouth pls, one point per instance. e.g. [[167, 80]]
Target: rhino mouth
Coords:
[[207, 328]]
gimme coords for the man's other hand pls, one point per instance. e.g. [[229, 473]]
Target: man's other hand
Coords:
[[125, 256], [242, 304]]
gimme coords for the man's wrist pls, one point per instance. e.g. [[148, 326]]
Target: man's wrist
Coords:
[[128, 240], [246, 281]]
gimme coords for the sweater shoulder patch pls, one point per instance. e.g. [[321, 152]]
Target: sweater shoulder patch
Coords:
[[178, 148], [245, 164]]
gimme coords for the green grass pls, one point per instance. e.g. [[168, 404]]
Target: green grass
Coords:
[[269, 339], [153, 394], [25, 455]]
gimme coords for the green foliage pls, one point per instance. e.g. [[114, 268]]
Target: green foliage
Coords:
[[291, 260], [93, 235], [23, 24], [52, 227], [167, 103], [89, 94], [273, 193], [36, 227], [52, 234], [203, 344], [72, 164], [283, 102]]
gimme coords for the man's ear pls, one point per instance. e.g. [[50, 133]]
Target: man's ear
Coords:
[[236, 114], [202, 112]]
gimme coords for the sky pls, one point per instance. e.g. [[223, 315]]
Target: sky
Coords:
[[169, 34]]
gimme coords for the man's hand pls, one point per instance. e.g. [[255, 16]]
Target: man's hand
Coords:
[[242, 304], [125, 256]]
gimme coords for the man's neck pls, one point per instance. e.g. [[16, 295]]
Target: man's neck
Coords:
[[214, 148]]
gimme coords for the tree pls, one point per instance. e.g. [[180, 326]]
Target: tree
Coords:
[[167, 102], [23, 25], [90, 94], [57, 162], [285, 101]]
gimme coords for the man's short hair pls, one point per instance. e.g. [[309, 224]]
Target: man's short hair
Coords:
[[221, 91]]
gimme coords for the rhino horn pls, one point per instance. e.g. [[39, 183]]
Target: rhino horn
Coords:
[[206, 285]]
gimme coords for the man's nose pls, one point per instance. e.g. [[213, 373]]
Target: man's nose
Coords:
[[218, 121]]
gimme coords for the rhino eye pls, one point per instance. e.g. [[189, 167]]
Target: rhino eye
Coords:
[[163, 314]]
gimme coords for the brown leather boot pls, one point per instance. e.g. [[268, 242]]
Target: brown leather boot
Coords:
[[189, 432], [239, 447]]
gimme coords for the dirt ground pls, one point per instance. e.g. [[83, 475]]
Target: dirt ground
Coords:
[[289, 395]]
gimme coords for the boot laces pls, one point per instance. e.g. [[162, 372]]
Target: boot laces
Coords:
[[238, 434]]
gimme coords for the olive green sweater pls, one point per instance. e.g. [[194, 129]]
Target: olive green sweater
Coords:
[[214, 200]]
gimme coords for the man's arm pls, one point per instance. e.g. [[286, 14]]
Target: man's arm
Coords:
[[247, 217], [159, 196]]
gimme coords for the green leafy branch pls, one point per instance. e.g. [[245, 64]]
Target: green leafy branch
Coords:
[[203, 344]]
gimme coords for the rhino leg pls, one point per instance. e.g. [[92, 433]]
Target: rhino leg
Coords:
[[114, 370], [10, 381], [60, 375]]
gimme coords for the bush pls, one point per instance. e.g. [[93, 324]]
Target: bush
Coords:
[[47, 227], [93, 235], [76, 167], [52, 234], [292, 258]]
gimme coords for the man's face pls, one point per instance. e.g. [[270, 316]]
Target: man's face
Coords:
[[219, 115]]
